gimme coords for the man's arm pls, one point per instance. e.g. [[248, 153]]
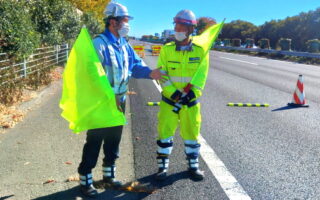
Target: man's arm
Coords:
[[141, 70]]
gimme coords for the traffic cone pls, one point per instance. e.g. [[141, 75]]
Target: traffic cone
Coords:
[[299, 97]]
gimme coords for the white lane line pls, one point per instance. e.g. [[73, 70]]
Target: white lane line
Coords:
[[157, 85], [239, 60], [227, 182]]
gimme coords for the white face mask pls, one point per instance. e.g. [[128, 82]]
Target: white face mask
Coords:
[[124, 30], [180, 36]]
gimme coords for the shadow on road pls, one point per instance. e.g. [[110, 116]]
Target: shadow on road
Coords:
[[285, 108], [150, 180], [75, 194], [6, 197]]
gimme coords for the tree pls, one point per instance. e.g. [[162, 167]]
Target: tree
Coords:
[[239, 29], [17, 34], [96, 7], [56, 20], [204, 23]]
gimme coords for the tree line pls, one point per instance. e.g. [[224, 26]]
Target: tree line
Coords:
[[27, 25], [300, 29]]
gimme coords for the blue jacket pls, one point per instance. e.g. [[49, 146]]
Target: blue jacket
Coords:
[[126, 63]]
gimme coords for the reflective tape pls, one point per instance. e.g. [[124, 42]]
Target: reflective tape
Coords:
[[166, 151], [108, 174], [180, 79]]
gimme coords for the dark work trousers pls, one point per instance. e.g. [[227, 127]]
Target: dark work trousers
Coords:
[[111, 137]]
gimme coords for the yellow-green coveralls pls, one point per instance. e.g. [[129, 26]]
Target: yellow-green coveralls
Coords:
[[181, 67]]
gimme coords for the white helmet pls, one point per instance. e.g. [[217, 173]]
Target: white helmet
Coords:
[[186, 17], [116, 10]]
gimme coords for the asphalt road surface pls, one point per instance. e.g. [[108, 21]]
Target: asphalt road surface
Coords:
[[273, 153], [266, 153]]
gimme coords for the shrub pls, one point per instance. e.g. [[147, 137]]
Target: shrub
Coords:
[[17, 34]]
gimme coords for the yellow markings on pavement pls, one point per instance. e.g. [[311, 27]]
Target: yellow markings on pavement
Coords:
[[248, 104], [153, 103]]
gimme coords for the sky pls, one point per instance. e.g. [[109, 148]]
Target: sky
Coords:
[[154, 16]]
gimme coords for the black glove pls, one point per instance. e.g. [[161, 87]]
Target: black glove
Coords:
[[187, 98], [176, 95]]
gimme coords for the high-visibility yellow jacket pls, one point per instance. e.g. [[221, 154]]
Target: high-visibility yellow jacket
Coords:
[[181, 67]]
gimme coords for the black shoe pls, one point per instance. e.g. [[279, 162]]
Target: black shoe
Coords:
[[161, 175], [89, 191], [196, 174], [112, 182]]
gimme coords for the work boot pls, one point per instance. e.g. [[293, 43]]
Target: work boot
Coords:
[[109, 177], [163, 163], [86, 186], [194, 171]]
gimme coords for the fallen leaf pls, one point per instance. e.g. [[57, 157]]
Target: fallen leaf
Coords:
[[131, 93], [49, 181], [135, 186], [73, 178]]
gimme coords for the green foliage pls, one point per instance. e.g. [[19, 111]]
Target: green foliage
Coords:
[[239, 29], [226, 42], [203, 23], [249, 42], [236, 42], [92, 24], [313, 46], [56, 20], [17, 34], [264, 43], [300, 29], [285, 44]]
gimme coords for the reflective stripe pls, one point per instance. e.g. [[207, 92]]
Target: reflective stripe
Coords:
[[108, 169], [107, 174], [85, 182], [194, 160], [165, 84], [166, 151], [88, 176], [196, 87], [180, 79], [167, 140], [120, 77], [166, 165], [190, 150], [194, 165], [191, 142], [126, 64]]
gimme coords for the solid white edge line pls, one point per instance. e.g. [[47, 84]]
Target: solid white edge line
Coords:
[[228, 183], [226, 180], [239, 60]]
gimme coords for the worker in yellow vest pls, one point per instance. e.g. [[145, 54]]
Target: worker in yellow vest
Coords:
[[181, 60]]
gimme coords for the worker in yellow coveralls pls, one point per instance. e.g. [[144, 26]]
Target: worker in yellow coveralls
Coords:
[[181, 60]]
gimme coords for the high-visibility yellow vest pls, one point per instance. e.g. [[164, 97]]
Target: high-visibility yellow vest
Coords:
[[181, 67]]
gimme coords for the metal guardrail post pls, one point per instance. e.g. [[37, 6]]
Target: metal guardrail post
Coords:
[[67, 51], [57, 53], [24, 67]]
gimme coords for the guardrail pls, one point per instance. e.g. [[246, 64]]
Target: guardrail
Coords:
[[271, 51], [41, 58]]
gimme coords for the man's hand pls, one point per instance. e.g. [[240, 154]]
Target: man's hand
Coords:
[[118, 104], [187, 98], [157, 75]]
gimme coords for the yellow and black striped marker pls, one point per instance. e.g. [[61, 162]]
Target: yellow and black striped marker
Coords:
[[248, 104], [153, 103]]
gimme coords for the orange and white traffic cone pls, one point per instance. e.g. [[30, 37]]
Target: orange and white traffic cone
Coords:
[[299, 97]]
